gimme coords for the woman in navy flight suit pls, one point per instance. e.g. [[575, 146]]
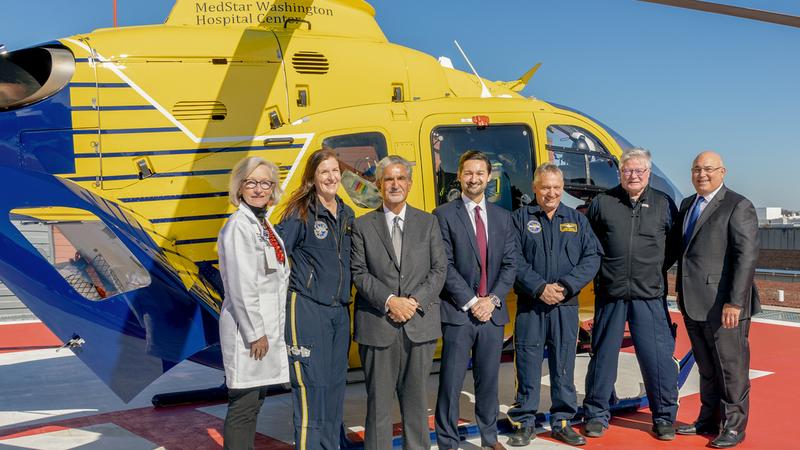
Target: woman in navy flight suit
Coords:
[[316, 231]]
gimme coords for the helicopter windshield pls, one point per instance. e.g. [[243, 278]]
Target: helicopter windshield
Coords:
[[658, 180]]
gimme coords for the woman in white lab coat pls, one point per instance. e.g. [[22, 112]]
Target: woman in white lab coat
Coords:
[[255, 273]]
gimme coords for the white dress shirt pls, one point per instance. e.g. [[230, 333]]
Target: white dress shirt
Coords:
[[390, 218], [390, 223], [471, 213], [708, 198]]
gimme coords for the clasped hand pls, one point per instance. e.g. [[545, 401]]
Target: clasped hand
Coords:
[[482, 309], [401, 309], [553, 294]]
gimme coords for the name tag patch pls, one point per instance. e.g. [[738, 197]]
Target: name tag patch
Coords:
[[569, 227]]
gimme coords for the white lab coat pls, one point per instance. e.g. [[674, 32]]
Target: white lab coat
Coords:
[[255, 300]]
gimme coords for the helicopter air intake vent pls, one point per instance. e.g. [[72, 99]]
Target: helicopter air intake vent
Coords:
[[200, 110], [310, 63]]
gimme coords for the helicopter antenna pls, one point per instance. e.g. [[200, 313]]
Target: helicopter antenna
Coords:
[[484, 90]]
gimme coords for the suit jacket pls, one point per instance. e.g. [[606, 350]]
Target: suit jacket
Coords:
[[463, 265], [719, 258], [377, 275]]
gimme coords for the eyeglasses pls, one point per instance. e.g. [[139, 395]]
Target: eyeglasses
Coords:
[[638, 172], [251, 184], [707, 169]]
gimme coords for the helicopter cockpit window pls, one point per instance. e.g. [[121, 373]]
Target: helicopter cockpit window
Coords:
[[587, 165], [359, 155], [510, 149], [83, 250]]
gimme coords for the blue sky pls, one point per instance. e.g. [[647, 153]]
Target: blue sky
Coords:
[[670, 80]]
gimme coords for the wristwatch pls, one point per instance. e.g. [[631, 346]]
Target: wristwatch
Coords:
[[495, 300]]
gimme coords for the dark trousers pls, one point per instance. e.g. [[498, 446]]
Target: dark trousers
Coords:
[[654, 341], [554, 327], [239, 431], [484, 341], [403, 369], [723, 361], [319, 338]]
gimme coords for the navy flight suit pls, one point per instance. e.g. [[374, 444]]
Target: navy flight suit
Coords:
[[318, 321], [560, 250]]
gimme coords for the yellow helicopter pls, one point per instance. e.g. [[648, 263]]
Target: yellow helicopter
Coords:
[[120, 143]]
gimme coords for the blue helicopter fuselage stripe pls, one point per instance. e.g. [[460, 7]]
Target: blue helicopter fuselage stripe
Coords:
[[196, 241], [127, 130], [92, 84], [115, 108], [172, 197], [189, 218], [135, 176], [187, 151]]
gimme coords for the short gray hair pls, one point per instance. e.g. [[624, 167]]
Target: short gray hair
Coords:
[[244, 168], [636, 152], [388, 161], [545, 168]]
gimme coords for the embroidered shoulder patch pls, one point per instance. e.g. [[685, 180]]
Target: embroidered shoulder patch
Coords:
[[569, 227]]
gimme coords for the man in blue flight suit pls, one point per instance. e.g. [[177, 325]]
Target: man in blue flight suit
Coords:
[[634, 223], [560, 255]]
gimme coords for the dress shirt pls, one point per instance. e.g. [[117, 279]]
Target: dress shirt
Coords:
[[390, 218], [390, 223], [471, 213], [702, 207]]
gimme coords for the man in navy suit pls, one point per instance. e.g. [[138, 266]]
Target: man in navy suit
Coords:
[[480, 244]]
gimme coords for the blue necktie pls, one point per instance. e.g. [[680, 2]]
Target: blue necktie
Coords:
[[693, 220]]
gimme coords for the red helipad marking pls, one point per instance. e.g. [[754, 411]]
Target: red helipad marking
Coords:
[[772, 398], [19, 337]]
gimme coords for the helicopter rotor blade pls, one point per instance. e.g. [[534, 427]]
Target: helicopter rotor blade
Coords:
[[736, 11]]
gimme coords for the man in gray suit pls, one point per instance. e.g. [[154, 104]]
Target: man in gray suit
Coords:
[[717, 298], [399, 266]]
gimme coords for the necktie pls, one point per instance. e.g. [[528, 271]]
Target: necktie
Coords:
[[273, 242], [480, 238], [693, 220], [397, 238]]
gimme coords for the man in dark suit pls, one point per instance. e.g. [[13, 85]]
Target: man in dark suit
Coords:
[[717, 298], [399, 265], [480, 244]]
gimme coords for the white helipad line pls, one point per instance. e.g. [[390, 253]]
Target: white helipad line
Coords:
[[776, 322], [96, 437], [20, 322]]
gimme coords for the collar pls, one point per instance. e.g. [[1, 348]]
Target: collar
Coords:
[[710, 196], [620, 192], [561, 211], [471, 205], [390, 215], [320, 210]]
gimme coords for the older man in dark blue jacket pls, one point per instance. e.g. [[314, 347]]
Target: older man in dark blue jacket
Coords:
[[560, 255]]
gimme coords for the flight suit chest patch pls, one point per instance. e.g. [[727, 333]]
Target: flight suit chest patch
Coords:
[[320, 229], [569, 227], [534, 226]]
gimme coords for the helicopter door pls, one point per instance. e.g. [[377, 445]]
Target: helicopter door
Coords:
[[507, 140], [577, 148]]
